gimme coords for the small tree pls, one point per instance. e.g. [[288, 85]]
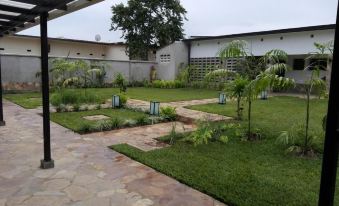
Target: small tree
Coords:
[[268, 66], [236, 89], [120, 82]]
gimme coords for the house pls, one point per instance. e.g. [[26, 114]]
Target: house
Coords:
[[202, 52]]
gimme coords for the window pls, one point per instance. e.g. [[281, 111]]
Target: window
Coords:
[[165, 58], [318, 64], [91, 54], [78, 53], [2, 49], [29, 50], [298, 64]]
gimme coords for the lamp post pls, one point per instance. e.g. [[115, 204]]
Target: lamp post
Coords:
[[116, 101], [222, 98], [155, 108], [264, 95]]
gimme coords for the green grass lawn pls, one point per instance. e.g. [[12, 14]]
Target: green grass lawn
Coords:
[[141, 93], [26, 100], [74, 120], [246, 173]]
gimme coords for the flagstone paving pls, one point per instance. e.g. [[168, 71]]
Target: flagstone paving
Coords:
[[86, 171], [184, 114]]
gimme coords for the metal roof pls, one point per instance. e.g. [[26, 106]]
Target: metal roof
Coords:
[[279, 31], [18, 15]]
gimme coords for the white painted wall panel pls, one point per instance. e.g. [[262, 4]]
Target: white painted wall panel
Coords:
[[293, 43]]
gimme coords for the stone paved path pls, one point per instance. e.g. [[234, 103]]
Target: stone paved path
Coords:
[[183, 113], [86, 172], [140, 137]]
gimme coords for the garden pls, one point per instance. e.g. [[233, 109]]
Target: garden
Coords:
[[270, 153]]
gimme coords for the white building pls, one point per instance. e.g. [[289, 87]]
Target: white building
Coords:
[[203, 51], [59, 47]]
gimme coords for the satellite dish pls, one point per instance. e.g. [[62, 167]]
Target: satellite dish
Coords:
[[97, 37]]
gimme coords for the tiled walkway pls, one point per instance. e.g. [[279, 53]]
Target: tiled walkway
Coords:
[[183, 113], [86, 172]]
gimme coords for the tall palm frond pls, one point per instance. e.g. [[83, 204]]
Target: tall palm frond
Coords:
[[234, 49]]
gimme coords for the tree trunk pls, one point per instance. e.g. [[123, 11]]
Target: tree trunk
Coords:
[[238, 106], [308, 91], [249, 114]]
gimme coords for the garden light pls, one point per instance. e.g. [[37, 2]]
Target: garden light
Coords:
[[115, 101], [222, 98], [155, 108]]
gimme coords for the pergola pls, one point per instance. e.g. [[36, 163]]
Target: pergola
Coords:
[[17, 15]]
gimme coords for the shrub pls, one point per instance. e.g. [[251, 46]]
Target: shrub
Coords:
[[103, 125], [142, 120], [168, 113], [123, 99], [217, 133], [98, 106], [71, 97], [120, 82], [76, 107], [170, 84], [60, 108], [202, 135], [85, 127], [116, 123], [294, 139]]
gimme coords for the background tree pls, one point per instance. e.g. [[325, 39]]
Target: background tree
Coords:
[[148, 24]]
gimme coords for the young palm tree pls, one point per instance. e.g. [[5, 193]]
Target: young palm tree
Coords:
[[236, 89], [268, 66]]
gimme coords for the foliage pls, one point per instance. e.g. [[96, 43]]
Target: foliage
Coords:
[[185, 75], [236, 89], [142, 120], [69, 97], [75, 73], [118, 119], [120, 82], [219, 76], [168, 113], [202, 135], [295, 141], [207, 132], [268, 68], [168, 84], [148, 24], [123, 99]]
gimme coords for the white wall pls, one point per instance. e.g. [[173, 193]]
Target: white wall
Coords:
[[178, 52], [16, 45], [293, 43]]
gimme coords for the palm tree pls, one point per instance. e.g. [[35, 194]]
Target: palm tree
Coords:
[[236, 89], [268, 66]]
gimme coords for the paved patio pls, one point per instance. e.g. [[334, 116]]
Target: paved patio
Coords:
[[86, 172]]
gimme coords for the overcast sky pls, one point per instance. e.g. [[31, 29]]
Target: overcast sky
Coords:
[[211, 17]]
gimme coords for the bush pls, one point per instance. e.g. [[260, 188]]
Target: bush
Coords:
[[76, 107], [170, 84], [168, 113], [116, 123], [123, 99], [142, 120], [120, 82], [294, 140], [71, 97], [206, 133], [85, 128]]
